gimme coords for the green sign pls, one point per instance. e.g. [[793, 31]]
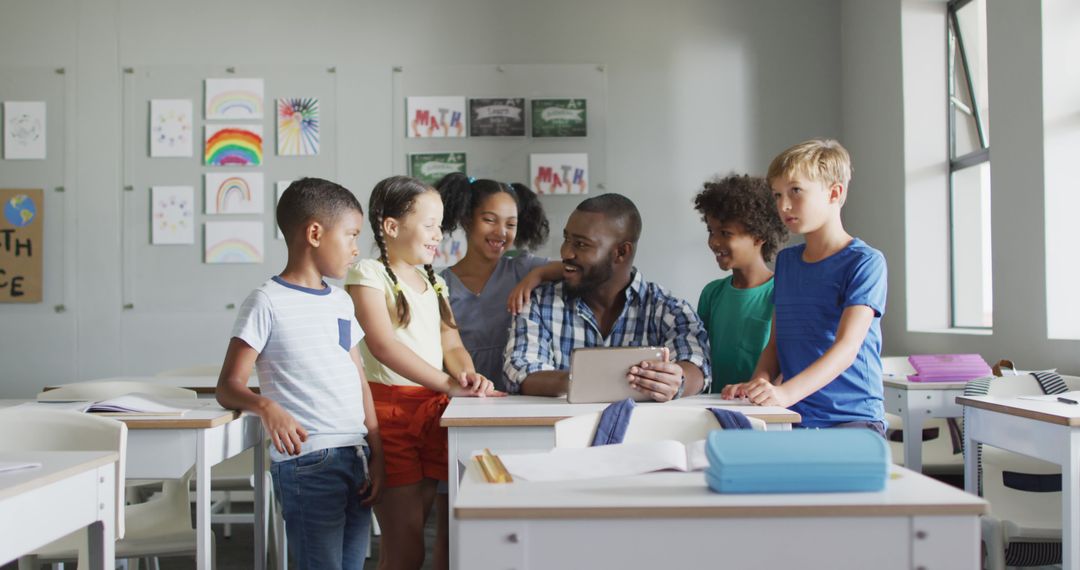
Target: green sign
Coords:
[[432, 166], [559, 118]]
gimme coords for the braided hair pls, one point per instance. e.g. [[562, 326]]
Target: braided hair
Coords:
[[462, 194], [393, 198]]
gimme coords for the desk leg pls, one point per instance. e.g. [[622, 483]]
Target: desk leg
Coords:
[[101, 534], [202, 503], [1070, 498], [260, 505], [971, 456], [454, 481]]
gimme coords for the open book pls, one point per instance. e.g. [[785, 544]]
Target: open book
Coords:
[[6, 466], [122, 405], [617, 460]]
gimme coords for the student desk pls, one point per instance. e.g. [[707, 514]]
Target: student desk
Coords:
[[205, 386], [527, 423], [917, 402], [672, 520], [1044, 430], [70, 491], [162, 447]]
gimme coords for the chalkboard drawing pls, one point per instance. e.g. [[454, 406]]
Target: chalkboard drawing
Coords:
[[172, 215], [559, 173], [233, 145], [234, 99], [233, 193], [298, 127], [559, 118], [432, 166], [171, 128], [234, 242], [24, 130], [497, 117], [435, 117], [281, 186]]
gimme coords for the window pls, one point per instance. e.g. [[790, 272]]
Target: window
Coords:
[[969, 167]]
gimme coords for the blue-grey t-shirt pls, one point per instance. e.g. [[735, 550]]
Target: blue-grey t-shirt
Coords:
[[483, 321], [809, 299]]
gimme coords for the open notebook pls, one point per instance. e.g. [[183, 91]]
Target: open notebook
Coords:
[[616, 460], [122, 405]]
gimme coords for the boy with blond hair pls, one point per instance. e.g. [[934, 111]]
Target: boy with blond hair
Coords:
[[823, 359]]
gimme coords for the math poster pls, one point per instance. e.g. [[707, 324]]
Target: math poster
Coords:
[[21, 229], [435, 117], [559, 173]]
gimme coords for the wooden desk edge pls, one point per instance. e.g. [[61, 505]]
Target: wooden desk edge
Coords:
[[483, 513], [106, 458], [1019, 412], [785, 418], [181, 422]]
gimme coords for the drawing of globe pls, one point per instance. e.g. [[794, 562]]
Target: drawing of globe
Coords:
[[20, 210]]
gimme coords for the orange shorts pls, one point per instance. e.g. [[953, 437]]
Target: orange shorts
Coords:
[[413, 442]]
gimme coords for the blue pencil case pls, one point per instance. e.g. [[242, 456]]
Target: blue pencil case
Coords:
[[798, 461]]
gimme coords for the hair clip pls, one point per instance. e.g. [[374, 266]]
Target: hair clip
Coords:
[[397, 287], [472, 179], [440, 289]]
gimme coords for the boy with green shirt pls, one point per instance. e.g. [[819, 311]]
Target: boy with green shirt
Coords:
[[744, 234]]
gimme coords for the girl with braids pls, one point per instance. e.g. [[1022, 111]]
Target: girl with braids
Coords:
[[414, 359], [485, 286]]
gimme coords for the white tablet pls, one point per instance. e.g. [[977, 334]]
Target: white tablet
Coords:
[[599, 374]]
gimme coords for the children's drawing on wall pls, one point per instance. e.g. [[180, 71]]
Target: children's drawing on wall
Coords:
[[233, 145], [298, 127], [278, 190], [171, 128], [233, 99], [234, 242], [559, 118], [435, 117], [432, 166], [233, 193], [24, 130], [497, 117], [172, 215], [451, 249], [559, 173], [21, 229]]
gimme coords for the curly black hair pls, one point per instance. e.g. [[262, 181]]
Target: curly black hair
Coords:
[[461, 194], [747, 200]]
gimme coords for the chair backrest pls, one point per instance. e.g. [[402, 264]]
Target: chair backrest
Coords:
[[100, 390], [683, 423], [896, 366], [55, 430], [200, 370]]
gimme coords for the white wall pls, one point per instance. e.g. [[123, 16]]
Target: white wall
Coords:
[[695, 88], [882, 153]]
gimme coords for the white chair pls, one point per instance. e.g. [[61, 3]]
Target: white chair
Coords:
[[160, 526], [1023, 527], [939, 454], [53, 430], [647, 423]]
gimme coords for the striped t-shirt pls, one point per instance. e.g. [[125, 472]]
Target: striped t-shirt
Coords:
[[303, 337]]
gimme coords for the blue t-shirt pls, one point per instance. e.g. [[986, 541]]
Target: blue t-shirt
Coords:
[[809, 299]]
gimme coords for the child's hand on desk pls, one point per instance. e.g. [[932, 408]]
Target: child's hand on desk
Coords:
[[761, 392], [284, 431], [473, 384]]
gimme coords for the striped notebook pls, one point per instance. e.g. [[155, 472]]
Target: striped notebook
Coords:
[[948, 367]]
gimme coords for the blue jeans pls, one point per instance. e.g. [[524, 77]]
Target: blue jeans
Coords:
[[325, 523]]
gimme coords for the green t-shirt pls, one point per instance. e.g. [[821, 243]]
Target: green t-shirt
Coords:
[[738, 322]]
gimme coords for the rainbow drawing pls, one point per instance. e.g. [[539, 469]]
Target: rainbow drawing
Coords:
[[234, 99], [233, 193], [233, 145], [234, 242], [298, 127]]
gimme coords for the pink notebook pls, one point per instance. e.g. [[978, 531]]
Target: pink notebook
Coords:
[[948, 367]]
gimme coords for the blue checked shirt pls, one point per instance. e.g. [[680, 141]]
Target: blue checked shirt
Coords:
[[554, 325]]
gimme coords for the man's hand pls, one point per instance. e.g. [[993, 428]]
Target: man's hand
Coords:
[[658, 379]]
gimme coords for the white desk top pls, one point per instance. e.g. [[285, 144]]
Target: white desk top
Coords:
[[200, 384], [1050, 412], [545, 411], [203, 414], [56, 466], [685, 495], [902, 383]]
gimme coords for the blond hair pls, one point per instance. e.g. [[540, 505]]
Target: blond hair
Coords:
[[823, 160]]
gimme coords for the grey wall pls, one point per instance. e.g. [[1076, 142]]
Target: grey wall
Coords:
[[695, 88]]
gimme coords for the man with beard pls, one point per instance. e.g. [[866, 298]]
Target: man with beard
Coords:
[[603, 300]]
